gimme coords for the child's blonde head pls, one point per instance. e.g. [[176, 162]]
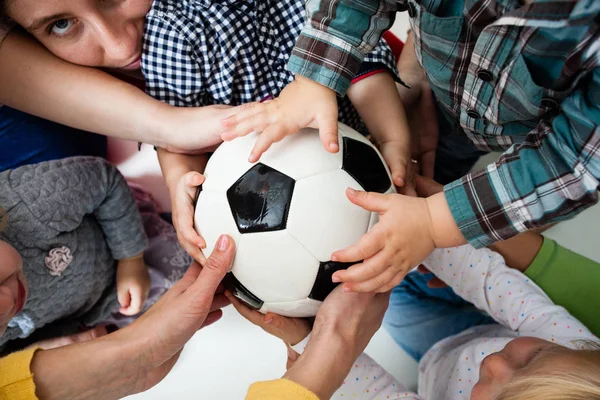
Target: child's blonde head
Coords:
[[575, 376]]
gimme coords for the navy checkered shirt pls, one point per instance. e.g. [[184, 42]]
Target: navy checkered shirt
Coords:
[[202, 52]]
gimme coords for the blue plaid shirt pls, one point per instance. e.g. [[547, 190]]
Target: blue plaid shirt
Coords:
[[523, 79]]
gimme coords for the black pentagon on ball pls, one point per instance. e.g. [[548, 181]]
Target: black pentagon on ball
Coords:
[[260, 199], [240, 292], [362, 162], [323, 284]]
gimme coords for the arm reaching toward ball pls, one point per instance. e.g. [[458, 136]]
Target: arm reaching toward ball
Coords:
[[303, 103], [378, 103], [183, 175], [408, 230]]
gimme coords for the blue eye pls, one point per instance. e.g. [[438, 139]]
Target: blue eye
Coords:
[[61, 27]]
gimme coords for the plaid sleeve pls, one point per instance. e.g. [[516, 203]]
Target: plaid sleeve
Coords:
[[380, 59], [550, 177], [170, 66], [336, 38]]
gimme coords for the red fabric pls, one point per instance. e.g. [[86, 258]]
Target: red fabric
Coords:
[[368, 74], [395, 44]]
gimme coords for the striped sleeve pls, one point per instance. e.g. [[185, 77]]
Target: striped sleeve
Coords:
[[336, 38], [553, 175]]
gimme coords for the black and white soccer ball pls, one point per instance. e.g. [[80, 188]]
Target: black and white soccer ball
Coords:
[[287, 214]]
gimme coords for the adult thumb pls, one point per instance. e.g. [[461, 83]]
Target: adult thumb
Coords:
[[213, 271]]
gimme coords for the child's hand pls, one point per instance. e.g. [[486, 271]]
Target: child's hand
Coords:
[[133, 284], [401, 239], [409, 228], [303, 103], [183, 204], [291, 330], [397, 158]]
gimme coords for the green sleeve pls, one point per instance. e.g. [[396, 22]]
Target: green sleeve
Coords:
[[570, 280]]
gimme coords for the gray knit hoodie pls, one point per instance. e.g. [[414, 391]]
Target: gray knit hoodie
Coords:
[[82, 204]]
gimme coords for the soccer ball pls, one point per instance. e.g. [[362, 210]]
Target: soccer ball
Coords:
[[287, 214]]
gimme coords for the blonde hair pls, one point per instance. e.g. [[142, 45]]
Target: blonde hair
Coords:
[[579, 380]]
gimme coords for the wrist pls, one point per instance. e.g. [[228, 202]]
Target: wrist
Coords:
[[304, 81], [104, 368], [155, 124], [444, 231], [131, 263], [520, 251], [173, 167], [133, 259], [324, 364]]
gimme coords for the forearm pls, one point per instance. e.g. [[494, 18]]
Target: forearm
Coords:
[[377, 102], [174, 166], [104, 368], [412, 73], [519, 251], [444, 230], [324, 364], [35, 81]]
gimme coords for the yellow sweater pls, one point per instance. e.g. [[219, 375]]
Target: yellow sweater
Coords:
[[16, 378], [279, 389], [16, 382]]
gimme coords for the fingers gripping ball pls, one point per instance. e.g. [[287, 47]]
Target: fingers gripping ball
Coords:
[[288, 213]]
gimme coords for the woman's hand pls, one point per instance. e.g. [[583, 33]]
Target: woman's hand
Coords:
[[343, 327], [290, 330], [139, 356], [191, 304]]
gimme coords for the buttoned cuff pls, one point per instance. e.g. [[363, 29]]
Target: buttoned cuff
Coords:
[[325, 59], [464, 215]]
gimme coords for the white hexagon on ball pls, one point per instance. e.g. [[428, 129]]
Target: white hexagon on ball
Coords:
[[301, 155], [213, 218], [274, 266], [322, 218]]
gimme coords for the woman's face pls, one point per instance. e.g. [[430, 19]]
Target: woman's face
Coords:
[[94, 33], [13, 285], [524, 352]]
